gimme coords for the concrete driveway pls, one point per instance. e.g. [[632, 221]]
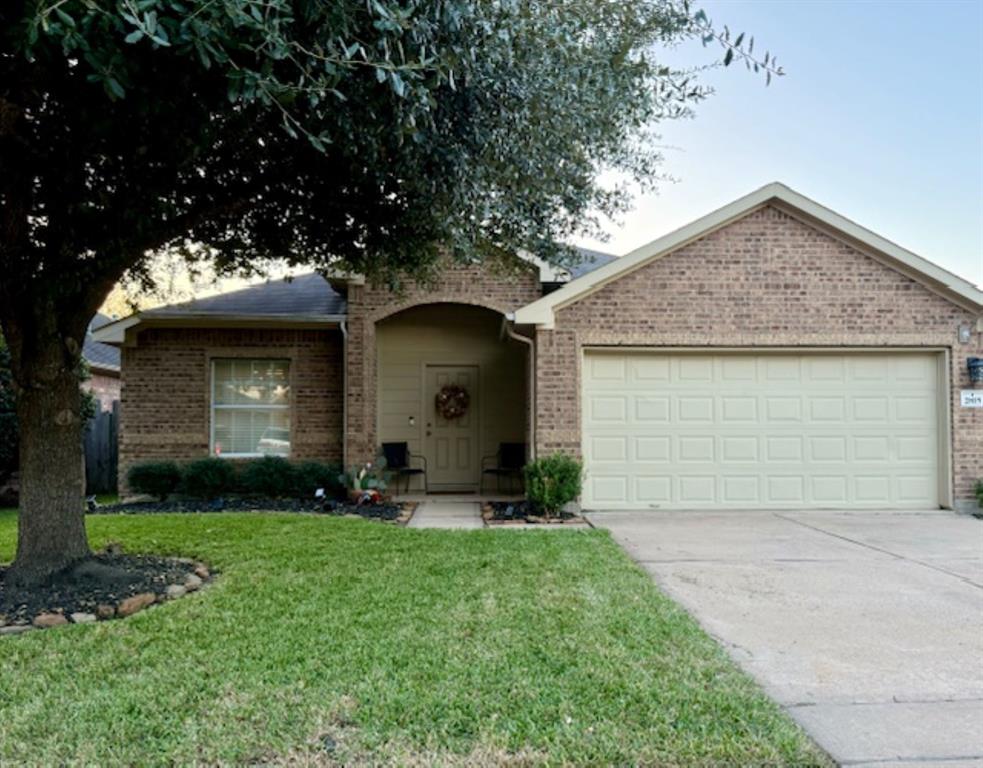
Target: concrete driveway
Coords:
[[866, 627]]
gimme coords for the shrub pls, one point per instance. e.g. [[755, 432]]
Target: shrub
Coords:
[[979, 492], [311, 475], [155, 478], [553, 482], [271, 476], [208, 478]]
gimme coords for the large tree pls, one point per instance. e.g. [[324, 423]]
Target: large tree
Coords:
[[363, 134]]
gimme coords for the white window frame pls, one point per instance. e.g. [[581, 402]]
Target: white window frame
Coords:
[[213, 407]]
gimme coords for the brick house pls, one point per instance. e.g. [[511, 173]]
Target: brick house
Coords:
[[772, 354]]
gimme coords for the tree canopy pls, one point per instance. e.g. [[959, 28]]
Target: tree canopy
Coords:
[[365, 135]]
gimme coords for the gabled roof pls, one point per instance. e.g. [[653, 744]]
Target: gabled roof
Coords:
[[99, 355], [540, 312], [305, 298]]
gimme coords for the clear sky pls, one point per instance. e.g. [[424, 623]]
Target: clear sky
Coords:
[[879, 117]]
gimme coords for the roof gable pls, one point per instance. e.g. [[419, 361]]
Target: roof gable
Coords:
[[541, 312]]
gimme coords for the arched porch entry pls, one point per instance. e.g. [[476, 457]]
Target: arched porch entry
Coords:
[[424, 349]]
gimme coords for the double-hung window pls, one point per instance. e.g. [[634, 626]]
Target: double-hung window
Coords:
[[250, 407]]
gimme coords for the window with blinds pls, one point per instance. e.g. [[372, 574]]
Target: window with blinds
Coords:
[[250, 407]]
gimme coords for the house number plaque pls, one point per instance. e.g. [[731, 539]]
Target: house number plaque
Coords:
[[971, 398]]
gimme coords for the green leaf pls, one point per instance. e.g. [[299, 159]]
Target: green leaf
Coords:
[[397, 83], [135, 36], [114, 88], [728, 57]]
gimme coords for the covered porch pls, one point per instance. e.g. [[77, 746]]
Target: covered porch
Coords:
[[453, 385]]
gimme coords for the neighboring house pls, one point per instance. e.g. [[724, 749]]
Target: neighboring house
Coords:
[[772, 354], [103, 360]]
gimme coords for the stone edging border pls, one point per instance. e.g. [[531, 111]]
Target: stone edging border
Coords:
[[199, 577]]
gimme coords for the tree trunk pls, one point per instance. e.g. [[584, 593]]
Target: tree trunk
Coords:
[[51, 523]]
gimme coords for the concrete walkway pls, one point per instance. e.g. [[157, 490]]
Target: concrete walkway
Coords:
[[447, 514], [866, 627]]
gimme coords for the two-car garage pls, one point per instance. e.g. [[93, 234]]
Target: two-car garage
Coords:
[[779, 429]]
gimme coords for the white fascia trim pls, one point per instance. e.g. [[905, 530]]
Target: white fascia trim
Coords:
[[115, 332], [540, 312]]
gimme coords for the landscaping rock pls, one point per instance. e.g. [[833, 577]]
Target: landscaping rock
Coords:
[[135, 604], [48, 620], [83, 618], [193, 582], [16, 629], [201, 571], [3, 620], [105, 612], [174, 591]]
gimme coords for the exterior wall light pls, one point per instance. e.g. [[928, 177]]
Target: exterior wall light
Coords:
[[975, 366], [965, 334]]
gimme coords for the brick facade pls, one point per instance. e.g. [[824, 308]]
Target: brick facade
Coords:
[[459, 284], [165, 400], [765, 280], [104, 387]]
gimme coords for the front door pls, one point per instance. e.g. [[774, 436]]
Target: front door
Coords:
[[451, 444]]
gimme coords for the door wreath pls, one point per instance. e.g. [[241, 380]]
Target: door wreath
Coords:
[[452, 401]]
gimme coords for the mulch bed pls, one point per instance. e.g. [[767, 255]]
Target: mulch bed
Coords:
[[97, 588], [523, 513], [388, 512]]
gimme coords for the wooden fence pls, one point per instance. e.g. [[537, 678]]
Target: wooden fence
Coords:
[[102, 451]]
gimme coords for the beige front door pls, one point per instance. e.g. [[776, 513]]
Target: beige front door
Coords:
[[451, 445]]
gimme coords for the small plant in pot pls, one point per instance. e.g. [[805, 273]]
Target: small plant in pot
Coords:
[[365, 484]]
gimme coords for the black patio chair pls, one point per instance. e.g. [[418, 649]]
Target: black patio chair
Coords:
[[398, 459], [510, 459]]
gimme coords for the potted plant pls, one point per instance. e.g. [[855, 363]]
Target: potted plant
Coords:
[[366, 483]]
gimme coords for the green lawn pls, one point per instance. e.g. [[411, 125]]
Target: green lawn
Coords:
[[403, 646]]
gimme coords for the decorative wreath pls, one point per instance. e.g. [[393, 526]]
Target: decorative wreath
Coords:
[[452, 401]]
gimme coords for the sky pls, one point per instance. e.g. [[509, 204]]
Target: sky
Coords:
[[879, 117]]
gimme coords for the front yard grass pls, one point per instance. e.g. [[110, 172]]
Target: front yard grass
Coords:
[[387, 646]]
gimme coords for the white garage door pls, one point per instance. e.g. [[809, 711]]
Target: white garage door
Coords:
[[768, 430]]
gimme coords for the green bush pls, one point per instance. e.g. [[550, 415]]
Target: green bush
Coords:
[[155, 478], [553, 481], [311, 475], [271, 476], [979, 492], [208, 478]]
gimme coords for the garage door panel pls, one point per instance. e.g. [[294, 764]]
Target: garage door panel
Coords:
[[653, 489], [655, 409], [698, 489], [739, 448], [652, 449], [740, 490], [738, 409], [761, 430], [694, 410]]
